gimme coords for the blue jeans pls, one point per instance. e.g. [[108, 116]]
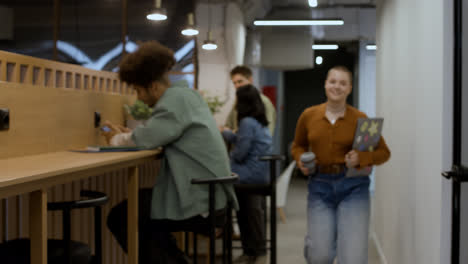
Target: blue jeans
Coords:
[[337, 219]]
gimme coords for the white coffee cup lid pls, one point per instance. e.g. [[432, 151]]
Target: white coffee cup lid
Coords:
[[307, 156]]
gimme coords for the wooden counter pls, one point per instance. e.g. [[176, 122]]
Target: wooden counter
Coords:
[[36, 173]]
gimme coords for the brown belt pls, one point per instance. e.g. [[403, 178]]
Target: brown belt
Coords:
[[331, 168]]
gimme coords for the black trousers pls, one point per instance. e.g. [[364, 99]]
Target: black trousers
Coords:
[[156, 243], [251, 220]]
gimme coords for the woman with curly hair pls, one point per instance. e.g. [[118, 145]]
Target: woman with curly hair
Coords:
[[182, 124]]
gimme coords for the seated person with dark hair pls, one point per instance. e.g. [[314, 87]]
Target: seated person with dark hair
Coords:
[[251, 141], [182, 124]]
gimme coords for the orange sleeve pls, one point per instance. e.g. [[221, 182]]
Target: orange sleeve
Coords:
[[377, 157], [300, 143]]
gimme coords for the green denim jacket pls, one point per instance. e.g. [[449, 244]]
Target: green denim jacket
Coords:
[[183, 125]]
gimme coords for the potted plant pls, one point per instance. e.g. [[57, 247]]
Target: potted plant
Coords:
[[140, 112], [213, 102]]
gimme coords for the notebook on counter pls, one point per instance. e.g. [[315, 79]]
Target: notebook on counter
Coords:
[[366, 138]]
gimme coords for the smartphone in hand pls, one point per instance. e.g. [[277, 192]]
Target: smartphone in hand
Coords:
[[105, 129]]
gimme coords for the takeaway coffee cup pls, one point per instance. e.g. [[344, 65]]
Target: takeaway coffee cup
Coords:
[[308, 160]]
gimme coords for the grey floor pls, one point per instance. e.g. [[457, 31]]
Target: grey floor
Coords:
[[291, 234]]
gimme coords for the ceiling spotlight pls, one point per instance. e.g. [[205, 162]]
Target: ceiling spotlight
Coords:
[[313, 3], [190, 30], [209, 43], [157, 13], [371, 47], [318, 60]]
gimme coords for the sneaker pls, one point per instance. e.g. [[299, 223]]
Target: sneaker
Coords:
[[244, 259]]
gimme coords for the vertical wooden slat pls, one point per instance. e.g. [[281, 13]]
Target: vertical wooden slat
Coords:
[[59, 79], [51, 216], [69, 80], [124, 190], [85, 215], [57, 216], [77, 82], [92, 186], [38, 75], [102, 180], [38, 227], [12, 211], [115, 199], [118, 193], [86, 82], [24, 215], [94, 83], [2, 220], [2, 70], [11, 72], [76, 214], [25, 73], [48, 78], [133, 215], [108, 85]]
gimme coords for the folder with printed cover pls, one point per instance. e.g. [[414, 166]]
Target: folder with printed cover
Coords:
[[366, 138]]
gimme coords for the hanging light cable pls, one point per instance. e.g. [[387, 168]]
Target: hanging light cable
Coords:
[[209, 43], [157, 13], [190, 30]]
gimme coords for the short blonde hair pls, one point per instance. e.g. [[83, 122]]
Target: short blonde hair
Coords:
[[343, 69]]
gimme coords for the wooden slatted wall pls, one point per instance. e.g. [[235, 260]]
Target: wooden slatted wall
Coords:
[[52, 108]]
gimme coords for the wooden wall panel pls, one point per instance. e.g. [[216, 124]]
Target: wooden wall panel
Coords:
[[52, 108]]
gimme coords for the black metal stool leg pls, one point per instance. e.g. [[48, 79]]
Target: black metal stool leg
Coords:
[[195, 251], [273, 212], [212, 223], [66, 220], [187, 243], [228, 231], [97, 235]]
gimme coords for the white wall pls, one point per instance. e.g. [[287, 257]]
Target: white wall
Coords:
[[447, 134], [411, 84], [214, 66], [366, 87]]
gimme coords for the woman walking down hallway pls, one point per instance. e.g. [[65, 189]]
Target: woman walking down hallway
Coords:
[[337, 206]]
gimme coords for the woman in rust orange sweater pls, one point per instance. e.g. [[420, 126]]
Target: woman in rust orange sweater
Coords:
[[338, 206]]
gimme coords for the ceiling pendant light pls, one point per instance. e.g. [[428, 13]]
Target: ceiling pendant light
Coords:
[[190, 30], [209, 43], [157, 13]]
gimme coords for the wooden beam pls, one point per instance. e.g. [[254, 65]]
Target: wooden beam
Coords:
[[124, 25], [57, 9]]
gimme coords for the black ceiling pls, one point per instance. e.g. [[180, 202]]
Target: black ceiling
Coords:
[[95, 26]]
